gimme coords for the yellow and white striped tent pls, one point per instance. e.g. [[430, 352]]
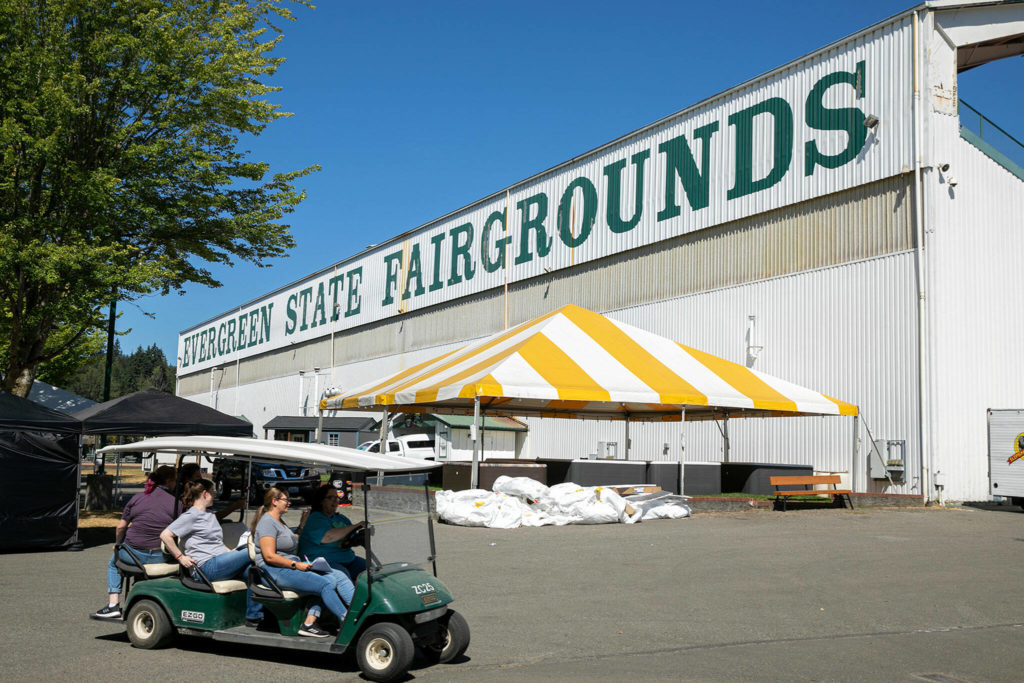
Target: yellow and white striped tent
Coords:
[[576, 363]]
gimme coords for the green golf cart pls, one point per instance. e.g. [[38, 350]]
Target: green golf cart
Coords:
[[398, 604]]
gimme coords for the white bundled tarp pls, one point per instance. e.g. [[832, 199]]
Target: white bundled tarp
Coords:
[[521, 501]]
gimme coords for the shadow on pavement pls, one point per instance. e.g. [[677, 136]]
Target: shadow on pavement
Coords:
[[992, 506], [94, 536]]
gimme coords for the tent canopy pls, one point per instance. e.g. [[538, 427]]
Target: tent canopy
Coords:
[[19, 414], [576, 363], [155, 413], [279, 451]]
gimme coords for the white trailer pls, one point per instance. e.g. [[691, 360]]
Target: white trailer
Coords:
[[1006, 454]]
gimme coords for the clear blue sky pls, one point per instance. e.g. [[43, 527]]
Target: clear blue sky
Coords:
[[415, 109]]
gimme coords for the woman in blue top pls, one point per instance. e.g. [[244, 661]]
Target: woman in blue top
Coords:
[[323, 530], [276, 546]]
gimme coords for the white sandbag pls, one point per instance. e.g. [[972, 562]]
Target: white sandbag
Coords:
[[523, 487], [506, 511], [463, 507], [477, 507], [668, 511], [611, 497], [520, 501]]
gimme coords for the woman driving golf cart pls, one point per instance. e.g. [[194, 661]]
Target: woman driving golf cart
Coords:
[[275, 543], [324, 531]]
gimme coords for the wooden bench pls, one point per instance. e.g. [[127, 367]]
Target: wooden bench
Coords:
[[808, 482]]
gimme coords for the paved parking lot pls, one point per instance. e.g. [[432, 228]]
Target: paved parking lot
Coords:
[[873, 595]]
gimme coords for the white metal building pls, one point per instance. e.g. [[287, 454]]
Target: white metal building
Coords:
[[834, 222]]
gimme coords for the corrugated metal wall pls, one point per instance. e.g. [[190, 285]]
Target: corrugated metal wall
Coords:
[[848, 331], [975, 239], [856, 224]]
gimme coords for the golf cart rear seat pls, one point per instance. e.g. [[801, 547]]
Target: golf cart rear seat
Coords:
[[138, 571]]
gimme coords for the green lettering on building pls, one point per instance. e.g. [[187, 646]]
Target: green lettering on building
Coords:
[[847, 119], [355, 278], [782, 138], [679, 165], [392, 269], [535, 225], [462, 243], [334, 287], [588, 210], [500, 245], [613, 172], [436, 241], [289, 311], [415, 273], [305, 296]]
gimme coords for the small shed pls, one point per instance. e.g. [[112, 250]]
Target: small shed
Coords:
[[337, 431], [503, 437]]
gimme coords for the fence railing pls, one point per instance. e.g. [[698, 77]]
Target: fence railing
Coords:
[[995, 142]]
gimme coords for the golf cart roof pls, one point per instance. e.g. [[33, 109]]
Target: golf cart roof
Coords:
[[278, 451]]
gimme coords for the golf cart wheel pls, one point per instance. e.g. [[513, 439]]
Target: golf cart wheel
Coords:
[[223, 489], [148, 625], [384, 652], [456, 639]]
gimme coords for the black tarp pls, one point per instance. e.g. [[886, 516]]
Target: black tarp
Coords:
[[39, 470], [39, 505], [156, 413], [18, 414]]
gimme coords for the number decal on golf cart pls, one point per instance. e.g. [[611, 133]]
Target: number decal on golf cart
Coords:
[[422, 588], [193, 617]]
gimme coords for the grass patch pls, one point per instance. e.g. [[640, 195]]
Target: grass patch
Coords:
[[95, 520], [131, 473]]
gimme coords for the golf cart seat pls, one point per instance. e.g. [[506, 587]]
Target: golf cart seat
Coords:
[[138, 571], [205, 585], [259, 582]]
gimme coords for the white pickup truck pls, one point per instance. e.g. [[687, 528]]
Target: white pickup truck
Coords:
[[420, 446]]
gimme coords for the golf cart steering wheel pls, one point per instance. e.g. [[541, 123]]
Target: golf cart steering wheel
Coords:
[[356, 537]]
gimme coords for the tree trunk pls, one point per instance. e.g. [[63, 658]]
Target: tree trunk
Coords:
[[18, 381]]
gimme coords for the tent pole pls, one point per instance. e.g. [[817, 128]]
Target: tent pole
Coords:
[[385, 427], [626, 448], [475, 435], [682, 446], [854, 464], [247, 495], [725, 438]]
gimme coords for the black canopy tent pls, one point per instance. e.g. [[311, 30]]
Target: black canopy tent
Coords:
[[151, 412], [156, 413], [39, 467]]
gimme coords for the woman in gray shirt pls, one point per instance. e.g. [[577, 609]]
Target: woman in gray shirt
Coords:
[[275, 545], [204, 540]]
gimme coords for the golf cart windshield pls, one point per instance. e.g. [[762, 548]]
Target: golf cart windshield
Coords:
[[400, 518]]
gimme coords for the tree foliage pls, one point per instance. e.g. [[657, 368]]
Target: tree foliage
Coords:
[[122, 172], [143, 369]]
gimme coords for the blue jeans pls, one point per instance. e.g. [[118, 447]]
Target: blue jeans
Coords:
[[147, 556], [232, 565], [228, 565], [335, 589]]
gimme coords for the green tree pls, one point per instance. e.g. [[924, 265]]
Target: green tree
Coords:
[[142, 369], [121, 172]]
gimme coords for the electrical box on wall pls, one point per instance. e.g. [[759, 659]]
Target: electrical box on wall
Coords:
[[887, 460], [607, 450]]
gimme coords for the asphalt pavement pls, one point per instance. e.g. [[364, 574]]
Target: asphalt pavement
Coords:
[[823, 595]]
